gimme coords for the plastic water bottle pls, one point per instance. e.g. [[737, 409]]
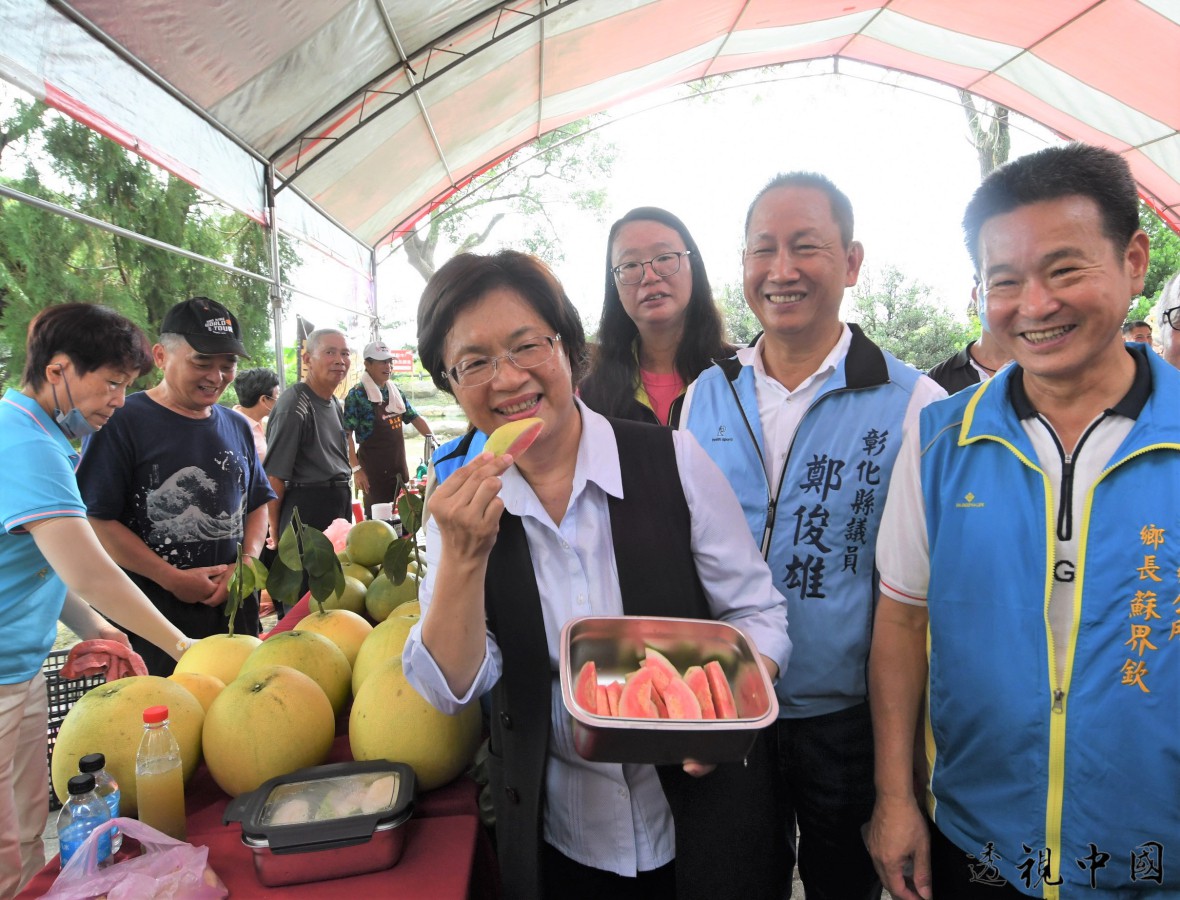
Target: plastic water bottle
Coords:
[[107, 789], [83, 813], [159, 778]]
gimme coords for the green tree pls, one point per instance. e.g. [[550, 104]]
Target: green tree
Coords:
[[741, 325], [902, 317], [565, 168], [46, 258], [1165, 251]]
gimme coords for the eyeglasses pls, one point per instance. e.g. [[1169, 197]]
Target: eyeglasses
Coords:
[[271, 397], [482, 369], [1172, 317], [664, 265]]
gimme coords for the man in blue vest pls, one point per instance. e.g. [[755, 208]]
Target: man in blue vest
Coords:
[[806, 423], [1029, 554]]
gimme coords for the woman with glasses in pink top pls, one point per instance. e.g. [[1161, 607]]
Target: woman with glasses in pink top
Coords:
[[659, 326]]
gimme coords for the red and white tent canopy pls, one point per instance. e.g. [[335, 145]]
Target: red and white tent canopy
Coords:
[[375, 110]]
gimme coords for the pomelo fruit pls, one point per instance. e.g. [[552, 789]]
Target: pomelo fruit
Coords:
[[695, 678], [409, 608], [313, 655], [270, 721], [218, 655], [719, 688], [390, 720], [586, 689], [108, 719], [635, 701], [514, 437], [343, 556], [345, 629], [383, 596], [385, 642], [363, 574], [204, 687], [662, 670], [613, 691], [353, 598], [680, 701], [368, 541]]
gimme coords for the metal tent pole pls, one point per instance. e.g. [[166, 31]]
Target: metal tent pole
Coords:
[[276, 293]]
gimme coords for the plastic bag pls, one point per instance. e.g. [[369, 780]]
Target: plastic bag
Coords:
[[337, 533], [167, 869]]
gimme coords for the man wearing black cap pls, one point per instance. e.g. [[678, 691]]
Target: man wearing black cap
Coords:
[[173, 484]]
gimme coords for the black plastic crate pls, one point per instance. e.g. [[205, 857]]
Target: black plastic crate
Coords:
[[62, 693]]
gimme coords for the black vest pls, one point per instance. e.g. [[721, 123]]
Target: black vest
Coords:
[[728, 826]]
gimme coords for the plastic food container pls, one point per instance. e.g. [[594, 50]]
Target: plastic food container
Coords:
[[617, 644], [326, 821]]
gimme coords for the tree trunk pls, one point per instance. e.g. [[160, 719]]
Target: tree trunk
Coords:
[[989, 134]]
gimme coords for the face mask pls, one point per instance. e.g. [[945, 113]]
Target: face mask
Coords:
[[73, 424]]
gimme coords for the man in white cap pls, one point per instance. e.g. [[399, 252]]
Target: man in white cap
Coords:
[[375, 412]]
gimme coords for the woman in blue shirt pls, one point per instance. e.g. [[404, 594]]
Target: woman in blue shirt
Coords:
[[80, 360]]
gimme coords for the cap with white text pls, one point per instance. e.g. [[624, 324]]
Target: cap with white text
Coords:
[[207, 326]]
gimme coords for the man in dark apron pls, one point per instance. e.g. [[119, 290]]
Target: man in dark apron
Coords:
[[375, 411]]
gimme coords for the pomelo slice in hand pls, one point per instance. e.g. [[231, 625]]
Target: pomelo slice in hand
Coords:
[[514, 437]]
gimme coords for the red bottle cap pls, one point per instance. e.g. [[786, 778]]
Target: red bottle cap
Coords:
[[154, 714]]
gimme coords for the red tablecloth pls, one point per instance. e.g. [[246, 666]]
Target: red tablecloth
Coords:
[[447, 853]]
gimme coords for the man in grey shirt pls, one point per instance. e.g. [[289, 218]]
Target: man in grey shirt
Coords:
[[307, 455]]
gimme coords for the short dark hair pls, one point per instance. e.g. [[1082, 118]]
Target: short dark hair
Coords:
[[1053, 173], [92, 336], [1128, 327], [467, 277], [609, 388], [841, 205], [252, 384]]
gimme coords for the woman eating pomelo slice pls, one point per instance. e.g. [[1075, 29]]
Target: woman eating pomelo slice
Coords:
[[599, 517]]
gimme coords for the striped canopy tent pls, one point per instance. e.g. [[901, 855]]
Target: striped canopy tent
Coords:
[[368, 113]]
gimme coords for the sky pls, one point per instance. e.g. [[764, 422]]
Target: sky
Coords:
[[901, 154]]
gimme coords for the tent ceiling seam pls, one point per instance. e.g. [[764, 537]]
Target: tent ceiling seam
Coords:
[[1031, 47], [401, 54], [338, 111], [725, 41], [127, 58], [540, 75]]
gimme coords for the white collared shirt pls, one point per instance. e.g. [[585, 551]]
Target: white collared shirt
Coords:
[[782, 410], [613, 817]]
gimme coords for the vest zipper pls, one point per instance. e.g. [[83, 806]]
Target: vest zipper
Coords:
[[771, 501]]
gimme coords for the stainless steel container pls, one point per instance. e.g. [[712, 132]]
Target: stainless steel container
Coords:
[[617, 644], [326, 821]]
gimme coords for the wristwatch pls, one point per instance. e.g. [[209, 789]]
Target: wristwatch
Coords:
[[356, 469]]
